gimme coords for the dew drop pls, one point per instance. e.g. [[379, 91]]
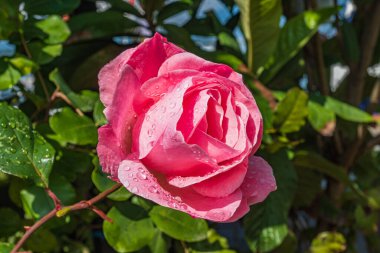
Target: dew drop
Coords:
[[153, 189], [4, 125], [135, 179], [134, 190], [147, 117], [126, 183], [150, 132], [127, 168], [141, 176], [157, 87], [153, 126], [12, 124], [150, 144], [13, 150], [183, 206]]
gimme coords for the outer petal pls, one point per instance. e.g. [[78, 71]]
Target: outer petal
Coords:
[[223, 184], [187, 60], [259, 181], [137, 179], [140, 60], [121, 113], [257, 185], [110, 154]]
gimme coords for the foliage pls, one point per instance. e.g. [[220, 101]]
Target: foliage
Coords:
[[321, 142]]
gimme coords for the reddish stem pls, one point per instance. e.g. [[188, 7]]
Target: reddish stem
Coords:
[[86, 204]]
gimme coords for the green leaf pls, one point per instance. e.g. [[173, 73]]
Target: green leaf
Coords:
[[25, 153], [6, 247], [291, 111], [72, 128], [43, 53], [85, 101], [48, 7], [260, 21], [294, 36], [266, 225], [102, 183], [10, 222], [9, 75], [311, 160], [346, 111], [54, 29], [328, 242], [319, 117], [179, 225], [99, 25], [158, 244], [71, 163], [172, 9], [23, 64], [99, 117], [129, 231], [42, 241], [9, 18], [37, 203]]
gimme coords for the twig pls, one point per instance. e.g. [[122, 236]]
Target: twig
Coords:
[[58, 94], [86, 204], [369, 38], [39, 75]]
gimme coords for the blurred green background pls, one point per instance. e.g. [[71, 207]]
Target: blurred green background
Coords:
[[312, 65]]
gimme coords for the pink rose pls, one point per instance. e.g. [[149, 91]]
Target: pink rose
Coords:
[[182, 132]]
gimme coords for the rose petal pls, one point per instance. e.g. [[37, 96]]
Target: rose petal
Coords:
[[223, 184], [137, 179], [121, 114], [187, 60], [213, 147], [194, 110], [110, 155], [259, 181], [110, 74]]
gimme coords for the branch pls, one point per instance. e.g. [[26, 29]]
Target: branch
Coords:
[[39, 75], [368, 43], [86, 204]]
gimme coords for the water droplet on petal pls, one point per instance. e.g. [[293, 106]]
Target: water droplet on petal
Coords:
[[141, 176], [126, 183], [153, 189], [127, 168], [134, 190], [150, 132], [153, 126]]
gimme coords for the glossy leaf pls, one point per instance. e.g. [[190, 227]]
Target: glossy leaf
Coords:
[[179, 225], [54, 29], [291, 111], [130, 230], [43, 7], [98, 25], [73, 128], [43, 53], [99, 117], [346, 111], [10, 222], [294, 36], [266, 225], [260, 21], [6, 247], [37, 203], [9, 75], [316, 162], [85, 101], [320, 117], [42, 241], [25, 153], [328, 242]]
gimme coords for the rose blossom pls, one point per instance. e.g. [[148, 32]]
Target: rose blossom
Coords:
[[182, 132]]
